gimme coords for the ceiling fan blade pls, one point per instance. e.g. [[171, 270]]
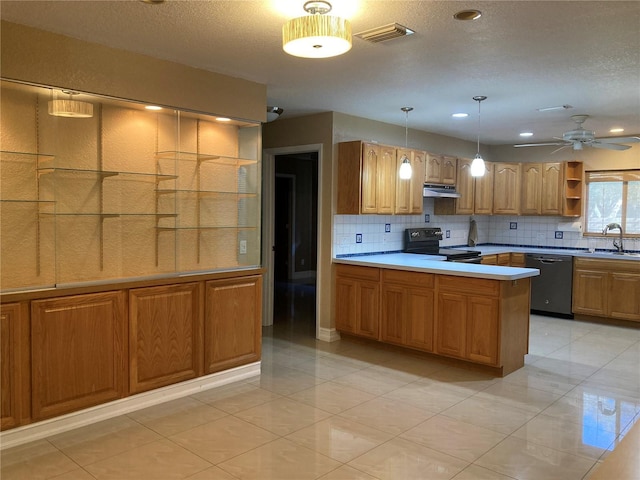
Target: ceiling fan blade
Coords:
[[619, 140], [539, 144], [561, 148], [609, 146]]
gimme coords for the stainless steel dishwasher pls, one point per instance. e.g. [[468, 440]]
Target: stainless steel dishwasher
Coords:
[[551, 291]]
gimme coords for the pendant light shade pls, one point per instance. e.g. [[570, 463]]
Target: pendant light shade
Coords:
[[477, 165], [70, 108], [316, 35], [405, 171]]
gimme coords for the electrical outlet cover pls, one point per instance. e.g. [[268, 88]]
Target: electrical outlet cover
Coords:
[[243, 247], [513, 225], [427, 218], [387, 227], [448, 233], [358, 238], [559, 235]]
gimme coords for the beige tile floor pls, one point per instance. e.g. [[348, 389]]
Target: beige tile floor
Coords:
[[353, 410]]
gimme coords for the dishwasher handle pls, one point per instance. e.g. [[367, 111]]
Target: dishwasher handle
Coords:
[[549, 260]]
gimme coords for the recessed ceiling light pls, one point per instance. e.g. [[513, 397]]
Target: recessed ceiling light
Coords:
[[526, 134], [460, 115], [223, 119], [466, 15], [153, 107], [616, 130]]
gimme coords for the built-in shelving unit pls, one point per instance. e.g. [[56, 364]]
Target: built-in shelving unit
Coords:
[[573, 179], [127, 193]]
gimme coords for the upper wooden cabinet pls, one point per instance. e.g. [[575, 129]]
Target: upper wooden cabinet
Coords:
[[368, 181], [484, 191], [78, 352], [541, 189], [441, 169], [465, 187], [506, 188], [409, 191]]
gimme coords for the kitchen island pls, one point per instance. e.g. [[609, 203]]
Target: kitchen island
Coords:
[[474, 313]]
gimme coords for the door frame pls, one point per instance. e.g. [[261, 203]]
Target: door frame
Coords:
[[268, 217]]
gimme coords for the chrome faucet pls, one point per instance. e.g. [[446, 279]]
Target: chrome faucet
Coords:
[[617, 242]]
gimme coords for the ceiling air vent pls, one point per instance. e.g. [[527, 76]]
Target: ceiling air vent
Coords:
[[384, 33]]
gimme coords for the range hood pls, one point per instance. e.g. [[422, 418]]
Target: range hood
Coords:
[[439, 191]]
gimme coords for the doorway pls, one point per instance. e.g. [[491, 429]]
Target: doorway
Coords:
[[295, 234]]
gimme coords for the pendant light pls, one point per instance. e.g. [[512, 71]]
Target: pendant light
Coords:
[[70, 108], [317, 35], [405, 163], [477, 166]]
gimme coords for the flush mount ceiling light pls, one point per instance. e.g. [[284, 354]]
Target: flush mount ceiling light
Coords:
[[405, 164], [316, 35], [477, 165], [70, 108], [459, 115], [526, 134], [553, 109]]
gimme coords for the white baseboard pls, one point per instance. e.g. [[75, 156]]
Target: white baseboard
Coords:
[[328, 334], [63, 423]]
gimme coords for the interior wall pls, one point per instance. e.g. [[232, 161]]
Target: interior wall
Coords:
[[35, 56], [312, 130]]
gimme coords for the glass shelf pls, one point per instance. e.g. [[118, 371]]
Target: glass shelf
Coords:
[[210, 193], [28, 154], [224, 227], [110, 215], [105, 173], [205, 157], [11, 200]]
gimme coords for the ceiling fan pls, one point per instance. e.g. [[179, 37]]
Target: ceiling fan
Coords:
[[581, 137]]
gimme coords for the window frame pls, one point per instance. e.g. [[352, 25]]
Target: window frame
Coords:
[[624, 176]]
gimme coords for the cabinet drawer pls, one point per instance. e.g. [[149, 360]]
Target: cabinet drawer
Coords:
[[480, 286], [364, 273], [504, 259], [517, 259], [412, 279]]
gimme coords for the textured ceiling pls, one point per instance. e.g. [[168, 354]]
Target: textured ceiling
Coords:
[[522, 55]]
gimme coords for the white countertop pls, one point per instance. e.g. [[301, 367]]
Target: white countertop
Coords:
[[436, 264], [491, 250]]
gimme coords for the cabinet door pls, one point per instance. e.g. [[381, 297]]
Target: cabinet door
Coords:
[[165, 335], [451, 324], [482, 330], [483, 203], [531, 188], [449, 168], [370, 159], [551, 198], [466, 188], [386, 180], [590, 292], [433, 173], [346, 304], [15, 401], [420, 310], [368, 309], [624, 296], [503, 259], [78, 351], [402, 203], [418, 168], [506, 181], [233, 322], [392, 321]]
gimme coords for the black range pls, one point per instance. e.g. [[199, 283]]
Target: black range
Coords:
[[426, 241]]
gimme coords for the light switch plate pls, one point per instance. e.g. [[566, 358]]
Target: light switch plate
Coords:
[[387, 227], [243, 247], [358, 238]]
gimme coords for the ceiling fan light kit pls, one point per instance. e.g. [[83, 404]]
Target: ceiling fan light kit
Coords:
[[581, 137], [317, 35]]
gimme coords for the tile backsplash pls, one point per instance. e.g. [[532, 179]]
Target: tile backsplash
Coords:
[[496, 229]]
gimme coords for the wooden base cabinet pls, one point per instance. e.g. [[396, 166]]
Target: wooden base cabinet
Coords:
[[407, 312], [165, 335], [607, 288], [233, 322], [78, 346], [15, 379], [358, 300], [473, 319]]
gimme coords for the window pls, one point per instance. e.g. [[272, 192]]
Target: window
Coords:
[[613, 197]]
